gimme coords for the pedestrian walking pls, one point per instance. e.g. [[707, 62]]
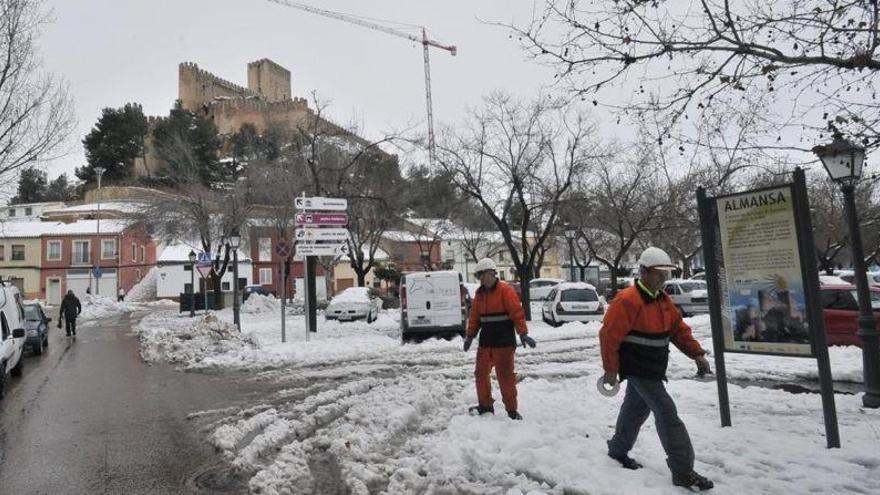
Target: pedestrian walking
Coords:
[[497, 315], [638, 327], [120, 295], [70, 309]]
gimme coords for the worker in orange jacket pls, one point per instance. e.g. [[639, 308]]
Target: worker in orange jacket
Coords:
[[497, 314], [636, 331]]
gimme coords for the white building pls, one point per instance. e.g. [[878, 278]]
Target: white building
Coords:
[[173, 272], [28, 211]]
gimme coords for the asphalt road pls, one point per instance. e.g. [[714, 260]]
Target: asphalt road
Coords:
[[89, 416]]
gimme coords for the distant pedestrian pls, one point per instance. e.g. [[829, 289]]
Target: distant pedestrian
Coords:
[[89, 290], [635, 336], [121, 295], [70, 309], [497, 314]]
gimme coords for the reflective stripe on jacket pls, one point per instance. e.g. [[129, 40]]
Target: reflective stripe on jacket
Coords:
[[497, 314], [636, 333]]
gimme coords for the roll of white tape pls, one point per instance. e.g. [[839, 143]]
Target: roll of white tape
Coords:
[[607, 392]]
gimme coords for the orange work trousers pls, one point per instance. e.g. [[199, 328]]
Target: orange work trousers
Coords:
[[501, 358]]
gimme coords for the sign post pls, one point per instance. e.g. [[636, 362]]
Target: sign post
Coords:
[[318, 234], [763, 283], [205, 267], [282, 249]]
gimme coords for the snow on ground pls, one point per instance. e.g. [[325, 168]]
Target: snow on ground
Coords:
[[145, 290], [355, 410]]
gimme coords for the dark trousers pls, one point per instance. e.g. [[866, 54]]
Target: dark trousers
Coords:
[[70, 325], [643, 397]]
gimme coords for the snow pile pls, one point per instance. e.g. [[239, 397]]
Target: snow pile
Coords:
[[258, 303], [98, 307], [189, 342], [145, 290]]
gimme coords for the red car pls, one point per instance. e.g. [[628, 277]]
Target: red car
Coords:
[[841, 310]]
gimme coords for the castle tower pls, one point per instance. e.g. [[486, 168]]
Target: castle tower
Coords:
[[269, 80]]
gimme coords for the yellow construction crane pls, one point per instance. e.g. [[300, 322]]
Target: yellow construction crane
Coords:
[[424, 40]]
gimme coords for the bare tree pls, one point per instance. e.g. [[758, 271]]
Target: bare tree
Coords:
[[35, 109], [518, 160], [675, 58]]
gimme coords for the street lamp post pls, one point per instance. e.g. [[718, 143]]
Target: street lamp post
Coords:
[[234, 243], [843, 161], [570, 235], [192, 283], [99, 171]]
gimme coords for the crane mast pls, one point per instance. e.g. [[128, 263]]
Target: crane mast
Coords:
[[423, 40]]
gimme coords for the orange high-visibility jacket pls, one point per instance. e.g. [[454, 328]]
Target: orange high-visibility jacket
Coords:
[[636, 332], [496, 313]]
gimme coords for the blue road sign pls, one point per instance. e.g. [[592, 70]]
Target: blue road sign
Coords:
[[97, 272]]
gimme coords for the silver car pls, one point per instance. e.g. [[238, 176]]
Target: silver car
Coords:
[[354, 303], [691, 297]]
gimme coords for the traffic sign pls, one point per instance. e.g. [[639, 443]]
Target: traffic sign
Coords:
[[205, 270], [310, 234], [204, 257], [319, 203], [321, 219], [321, 250], [282, 249], [97, 272]]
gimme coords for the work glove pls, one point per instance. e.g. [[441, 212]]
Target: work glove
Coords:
[[527, 341], [467, 343], [703, 367]]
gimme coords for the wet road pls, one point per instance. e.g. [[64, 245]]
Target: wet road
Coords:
[[89, 416]]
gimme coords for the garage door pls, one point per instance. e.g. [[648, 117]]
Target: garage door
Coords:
[[80, 280]]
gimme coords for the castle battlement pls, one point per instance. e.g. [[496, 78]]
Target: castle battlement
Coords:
[[204, 76], [258, 105]]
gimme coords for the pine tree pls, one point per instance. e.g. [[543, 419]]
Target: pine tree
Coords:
[[114, 143], [31, 186], [189, 146], [60, 189]]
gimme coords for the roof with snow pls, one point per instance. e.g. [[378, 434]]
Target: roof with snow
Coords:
[[120, 206], [81, 227], [179, 253]]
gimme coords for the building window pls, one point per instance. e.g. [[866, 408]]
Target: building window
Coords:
[[81, 252], [133, 252], [265, 276], [18, 252], [108, 249], [143, 254], [265, 249], [53, 251], [28, 211], [225, 286], [2, 253], [501, 275], [12, 212]]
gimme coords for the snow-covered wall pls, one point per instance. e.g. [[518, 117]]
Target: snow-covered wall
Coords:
[[171, 279]]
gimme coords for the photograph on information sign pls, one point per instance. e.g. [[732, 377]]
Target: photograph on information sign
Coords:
[[767, 307]]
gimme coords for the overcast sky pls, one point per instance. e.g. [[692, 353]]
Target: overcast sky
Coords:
[[112, 52]]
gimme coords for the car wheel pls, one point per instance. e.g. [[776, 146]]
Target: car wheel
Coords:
[[46, 340], [38, 349], [18, 367], [2, 378]]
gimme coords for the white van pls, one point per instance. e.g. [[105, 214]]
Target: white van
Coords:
[[432, 304], [12, 334]]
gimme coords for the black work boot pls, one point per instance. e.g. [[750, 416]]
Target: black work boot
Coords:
[[481, 410], [627, 462], [692, 481], [514, 415]]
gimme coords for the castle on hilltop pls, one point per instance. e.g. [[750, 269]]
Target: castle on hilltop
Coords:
[[266, 101]]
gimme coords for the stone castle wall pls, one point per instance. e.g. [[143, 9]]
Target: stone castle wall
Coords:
[[270, 80], [198, 87]]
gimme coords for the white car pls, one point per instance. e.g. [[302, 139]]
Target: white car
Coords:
[[354, 303], [12, 335], [691, 297], [539, 288], [850, 277], [572, 301], [699, 276]]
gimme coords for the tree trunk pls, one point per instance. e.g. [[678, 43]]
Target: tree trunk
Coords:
[[362, 278], [218, 290], [525, 276]]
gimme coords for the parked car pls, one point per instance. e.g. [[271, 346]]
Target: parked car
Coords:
[[840, 309], [432, 304], [691, 297], [354, 303], [572, 301], [36, 326], [850, 278], [540, 288], [254, 289], [12, 334]]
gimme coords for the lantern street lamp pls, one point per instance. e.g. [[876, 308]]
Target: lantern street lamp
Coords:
[[99, 172], [192, 283], [234, 243], [843, 161], [570, 235]]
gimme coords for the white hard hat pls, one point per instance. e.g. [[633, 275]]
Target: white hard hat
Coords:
[[657, 259], [485, 264]]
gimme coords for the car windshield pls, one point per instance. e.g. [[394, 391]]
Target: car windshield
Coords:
[[846, 300], [32, 313], [688, 287], [875, 299], [580, 295]]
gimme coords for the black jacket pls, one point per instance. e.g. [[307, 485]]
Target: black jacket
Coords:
[[70, 307]]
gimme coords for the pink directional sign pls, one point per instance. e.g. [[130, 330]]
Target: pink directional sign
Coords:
[[321, 218]]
